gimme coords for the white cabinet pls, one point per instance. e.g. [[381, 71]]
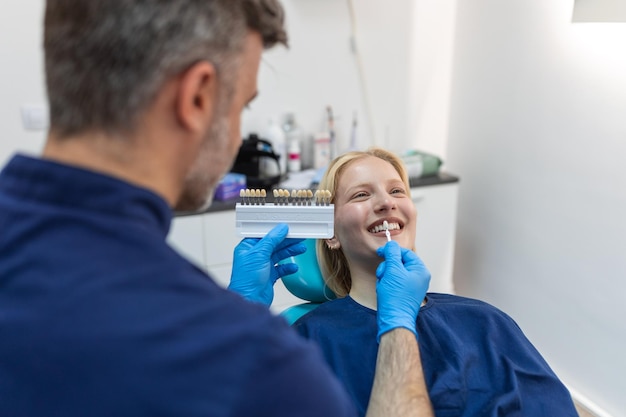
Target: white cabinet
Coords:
[[208, 240], [436, 231]]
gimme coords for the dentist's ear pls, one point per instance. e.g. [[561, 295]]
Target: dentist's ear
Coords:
[[196, 97], [333, 243]]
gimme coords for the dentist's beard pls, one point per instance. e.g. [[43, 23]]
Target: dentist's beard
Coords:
[[212, 163]]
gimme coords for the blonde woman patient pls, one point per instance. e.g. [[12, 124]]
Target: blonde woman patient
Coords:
[[475, 359]]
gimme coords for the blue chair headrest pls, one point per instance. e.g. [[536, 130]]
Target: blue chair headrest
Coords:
[[307, 283]]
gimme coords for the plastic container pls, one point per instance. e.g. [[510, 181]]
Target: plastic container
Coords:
[[421, 164], [322, 150], [230, 186], [276, 136]]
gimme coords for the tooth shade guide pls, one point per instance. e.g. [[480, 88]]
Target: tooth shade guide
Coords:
[[308, 214], [386, 227], [302, 197]]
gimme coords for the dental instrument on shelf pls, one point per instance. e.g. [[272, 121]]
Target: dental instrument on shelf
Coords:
[[309, 214], [331, 131]]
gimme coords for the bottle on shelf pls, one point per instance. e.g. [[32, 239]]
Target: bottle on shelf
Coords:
[[294, 164], [293, 134], [276, 136]]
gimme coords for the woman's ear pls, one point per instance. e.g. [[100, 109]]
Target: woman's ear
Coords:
[[333, 243]]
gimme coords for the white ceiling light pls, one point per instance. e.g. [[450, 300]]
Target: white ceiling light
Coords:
[[599, 11]]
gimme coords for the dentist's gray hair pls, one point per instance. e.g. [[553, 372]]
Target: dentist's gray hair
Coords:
[[106, 60]]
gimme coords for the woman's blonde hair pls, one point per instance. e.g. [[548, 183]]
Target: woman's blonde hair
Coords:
[[333, 263]]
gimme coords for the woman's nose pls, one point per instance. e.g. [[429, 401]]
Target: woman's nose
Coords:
[[385, 202]]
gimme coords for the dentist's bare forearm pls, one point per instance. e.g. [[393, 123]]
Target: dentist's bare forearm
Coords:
[[399, 387]]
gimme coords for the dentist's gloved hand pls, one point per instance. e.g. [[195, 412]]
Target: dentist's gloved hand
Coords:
[[255, 264], [402, 284]]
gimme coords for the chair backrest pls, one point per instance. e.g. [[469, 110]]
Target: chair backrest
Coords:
[[307, 284]]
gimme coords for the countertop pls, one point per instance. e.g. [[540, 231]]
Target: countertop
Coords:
[[439, 179]]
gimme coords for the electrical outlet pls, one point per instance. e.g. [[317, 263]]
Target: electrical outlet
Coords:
[[35, 116]]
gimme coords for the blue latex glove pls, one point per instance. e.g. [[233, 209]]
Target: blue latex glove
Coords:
[[402, 284], [255, 268]]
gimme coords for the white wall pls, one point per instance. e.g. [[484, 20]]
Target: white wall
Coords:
[[21, 73], [538, 137], [428, 84], [321, 69], [318, 70]]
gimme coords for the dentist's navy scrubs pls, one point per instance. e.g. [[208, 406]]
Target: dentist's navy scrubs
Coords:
[[100, 317]]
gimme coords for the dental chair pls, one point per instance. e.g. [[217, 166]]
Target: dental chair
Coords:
[[307, 284]]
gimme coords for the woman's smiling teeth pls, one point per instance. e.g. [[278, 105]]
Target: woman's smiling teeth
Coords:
[[380, 228]]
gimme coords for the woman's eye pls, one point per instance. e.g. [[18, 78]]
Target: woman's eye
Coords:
[[360, 195], [397, 191]]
